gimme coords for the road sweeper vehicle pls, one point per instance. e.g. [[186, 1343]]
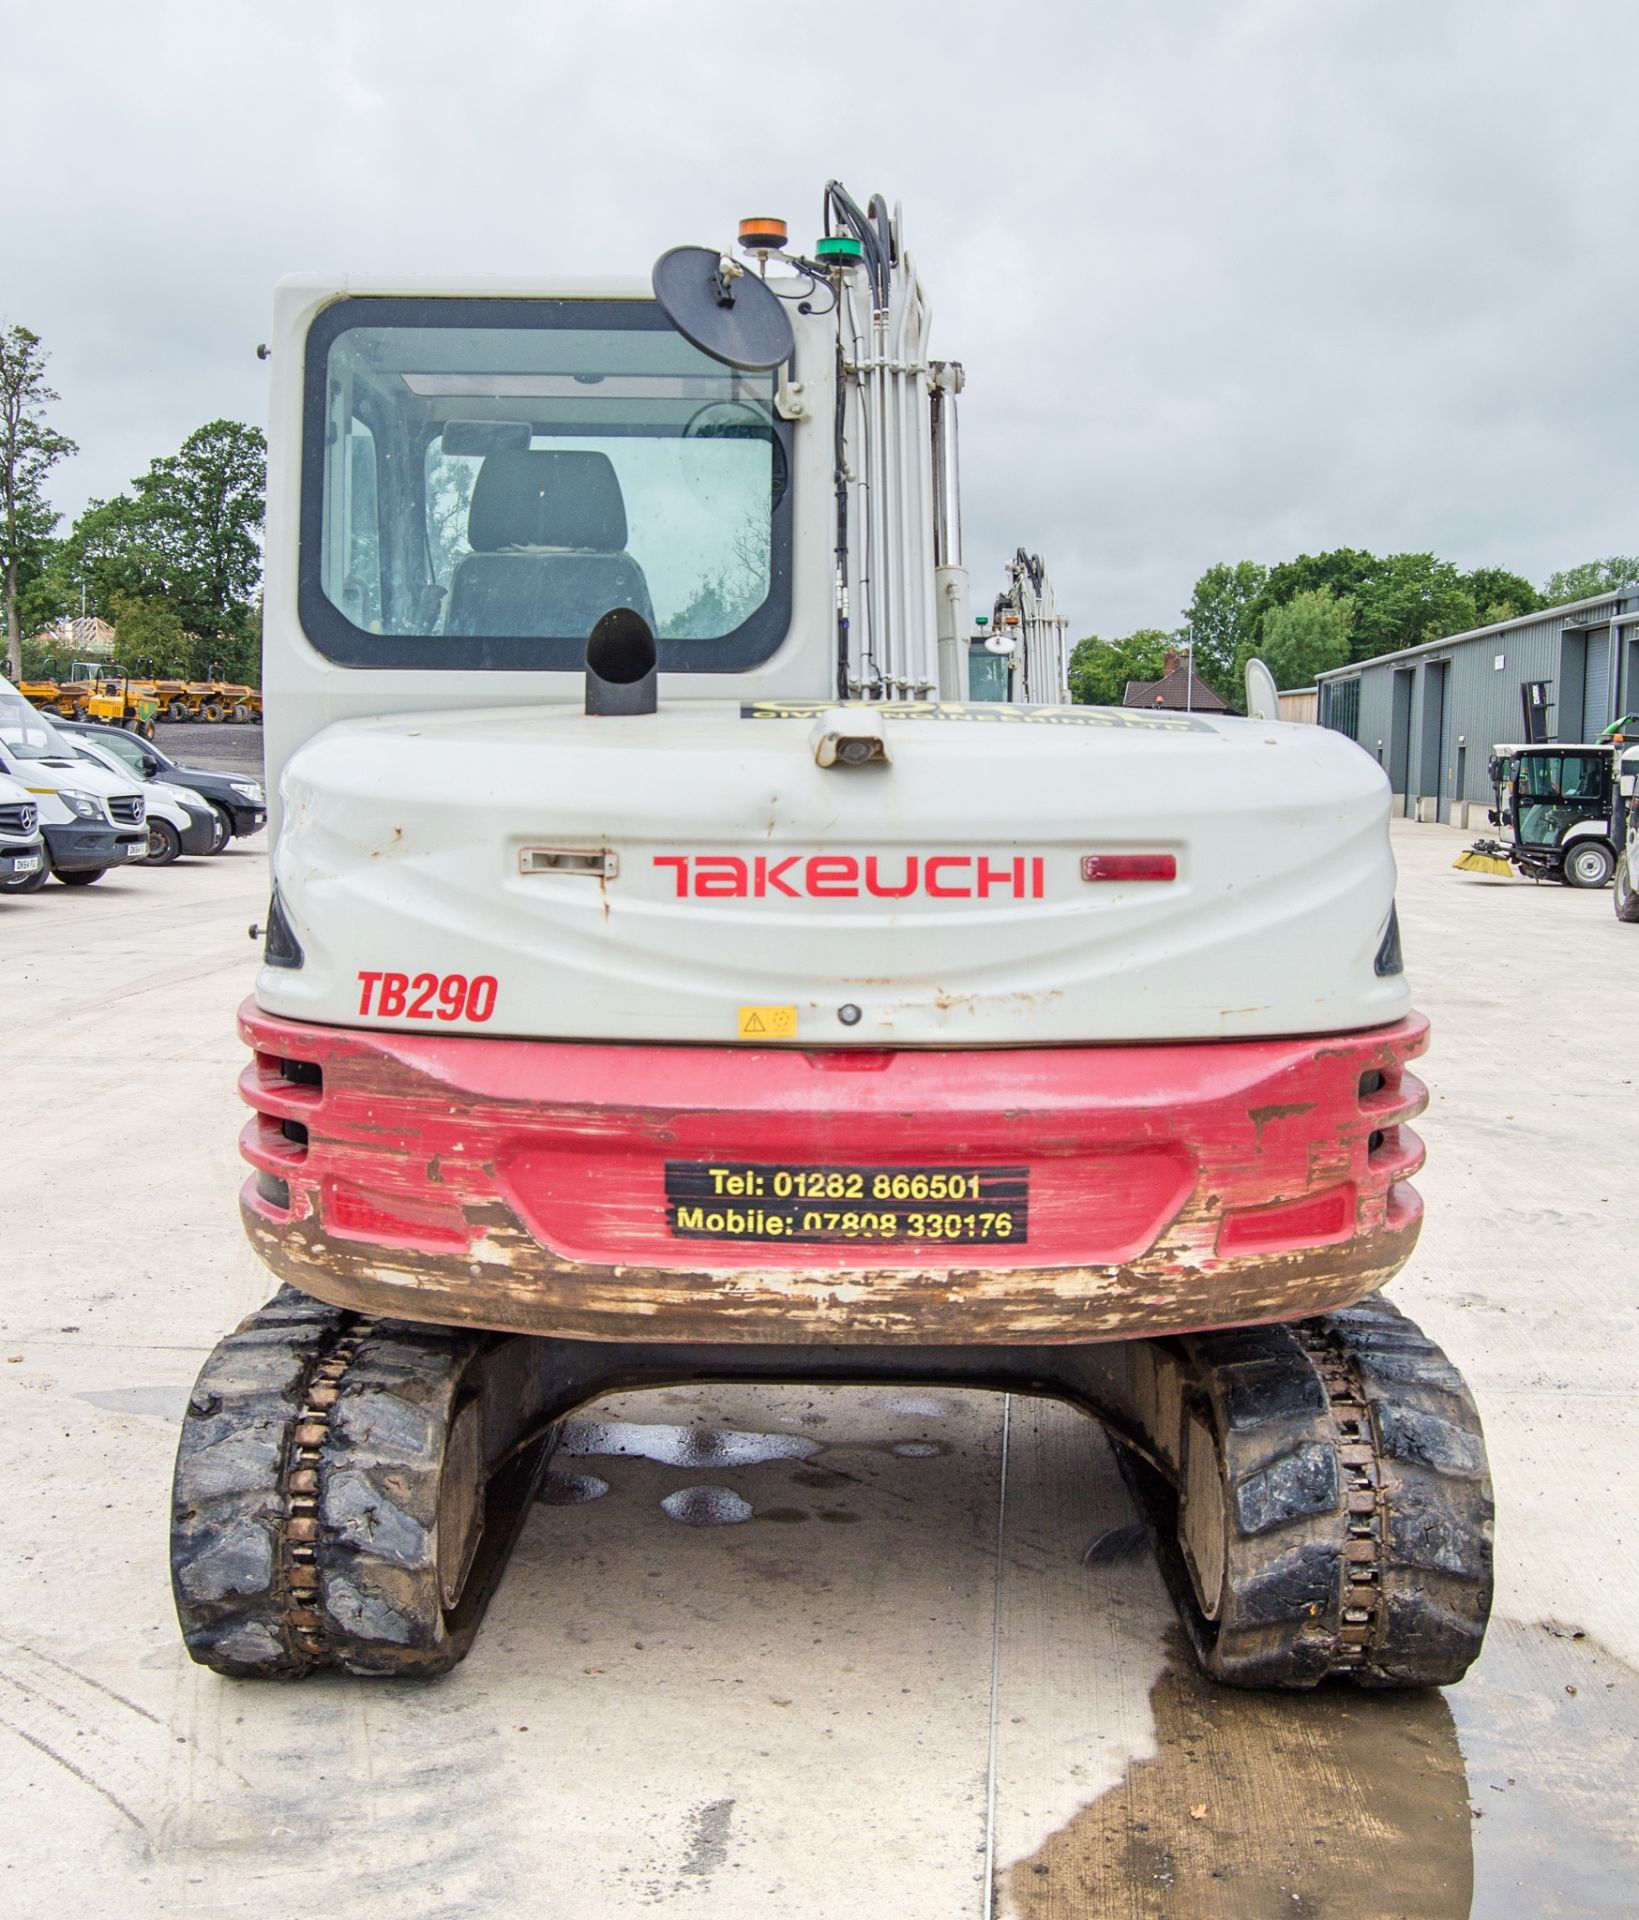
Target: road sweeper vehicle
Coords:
[[670, 977], [1561, 813]]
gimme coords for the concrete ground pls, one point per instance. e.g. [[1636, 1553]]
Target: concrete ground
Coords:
[[933, 1674]]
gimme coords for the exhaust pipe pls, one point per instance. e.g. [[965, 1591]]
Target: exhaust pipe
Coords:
[[620, 664]]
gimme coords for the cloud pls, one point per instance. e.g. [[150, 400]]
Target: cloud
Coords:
[[1230, 277]]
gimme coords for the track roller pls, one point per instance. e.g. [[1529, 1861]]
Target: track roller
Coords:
[[1320, 1503], [348, 1491]]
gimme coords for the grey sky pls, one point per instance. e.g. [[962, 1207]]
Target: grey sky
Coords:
[[1231, 278]]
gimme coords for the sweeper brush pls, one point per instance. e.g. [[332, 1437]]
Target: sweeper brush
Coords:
[[1485, 856]]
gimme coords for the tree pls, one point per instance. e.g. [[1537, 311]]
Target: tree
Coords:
[[107, 553], [1100, 669], [1500, 595], [29, 449], [1400, 599], [200, 514], [1218, 618], [1593, 576], [149, 635], [186, 540], [1306, 636], [1406, 599]]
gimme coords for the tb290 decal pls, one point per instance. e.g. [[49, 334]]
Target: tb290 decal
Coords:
[[427, 996]]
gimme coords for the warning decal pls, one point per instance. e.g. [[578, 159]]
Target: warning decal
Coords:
[[768, 1023]]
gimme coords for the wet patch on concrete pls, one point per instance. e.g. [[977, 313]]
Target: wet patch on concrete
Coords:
[[1333, 1805], [1505, 1796], [923, 1406], [706, 1507], [1549, 1722], [571, 1489], [708, 1838], [670, 1446]]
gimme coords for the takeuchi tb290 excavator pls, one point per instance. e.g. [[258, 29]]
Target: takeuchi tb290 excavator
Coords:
[[671, 976]]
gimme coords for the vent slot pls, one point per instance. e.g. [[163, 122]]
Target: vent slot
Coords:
[[273, 1190], [599, 865]]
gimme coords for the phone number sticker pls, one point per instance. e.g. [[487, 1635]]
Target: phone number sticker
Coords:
[[923, 1206]]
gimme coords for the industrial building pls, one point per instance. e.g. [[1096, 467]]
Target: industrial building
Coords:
[[1431, 714]]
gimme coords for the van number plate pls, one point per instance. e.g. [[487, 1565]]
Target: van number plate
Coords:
[[910, 1206]]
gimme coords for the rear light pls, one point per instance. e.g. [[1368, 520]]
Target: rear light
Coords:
[[1295, 1223], [1389, 957], [280, 948], [1129, 866]]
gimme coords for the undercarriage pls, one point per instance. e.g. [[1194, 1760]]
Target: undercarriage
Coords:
[[348, 1491]]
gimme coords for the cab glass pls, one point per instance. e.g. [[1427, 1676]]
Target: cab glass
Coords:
[[483, 480]]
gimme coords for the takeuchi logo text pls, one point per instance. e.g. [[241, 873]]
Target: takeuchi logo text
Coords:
[[849, 876]]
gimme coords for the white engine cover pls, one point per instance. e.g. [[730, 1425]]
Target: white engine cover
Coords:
[[745, 875]]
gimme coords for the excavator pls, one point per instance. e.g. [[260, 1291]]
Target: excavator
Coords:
[[672, 976]]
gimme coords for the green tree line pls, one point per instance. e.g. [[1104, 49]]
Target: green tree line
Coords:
[[173, 564], [1326, 610]]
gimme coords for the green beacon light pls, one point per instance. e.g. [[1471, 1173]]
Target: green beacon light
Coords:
[[839, 250]]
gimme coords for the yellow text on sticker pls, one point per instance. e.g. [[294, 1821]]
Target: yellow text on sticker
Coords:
[[768, 1023]]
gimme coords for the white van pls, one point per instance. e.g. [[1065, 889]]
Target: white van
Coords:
[[178, 821], [90, 819], [22, 852]]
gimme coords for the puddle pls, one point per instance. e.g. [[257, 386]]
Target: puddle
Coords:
[[922, 1406], [1505, 1796], [159, 1403], [706, 1507], [919, 1449], [1333, 1806], [571, 1489], [671, 1446], [1550, 1725]]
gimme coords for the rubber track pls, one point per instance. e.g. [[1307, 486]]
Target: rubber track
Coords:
[[228, 1499], [1286, 1491], [377, 1608], [1436, 1564]]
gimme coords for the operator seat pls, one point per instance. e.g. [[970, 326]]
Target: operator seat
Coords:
[[547, 530]]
